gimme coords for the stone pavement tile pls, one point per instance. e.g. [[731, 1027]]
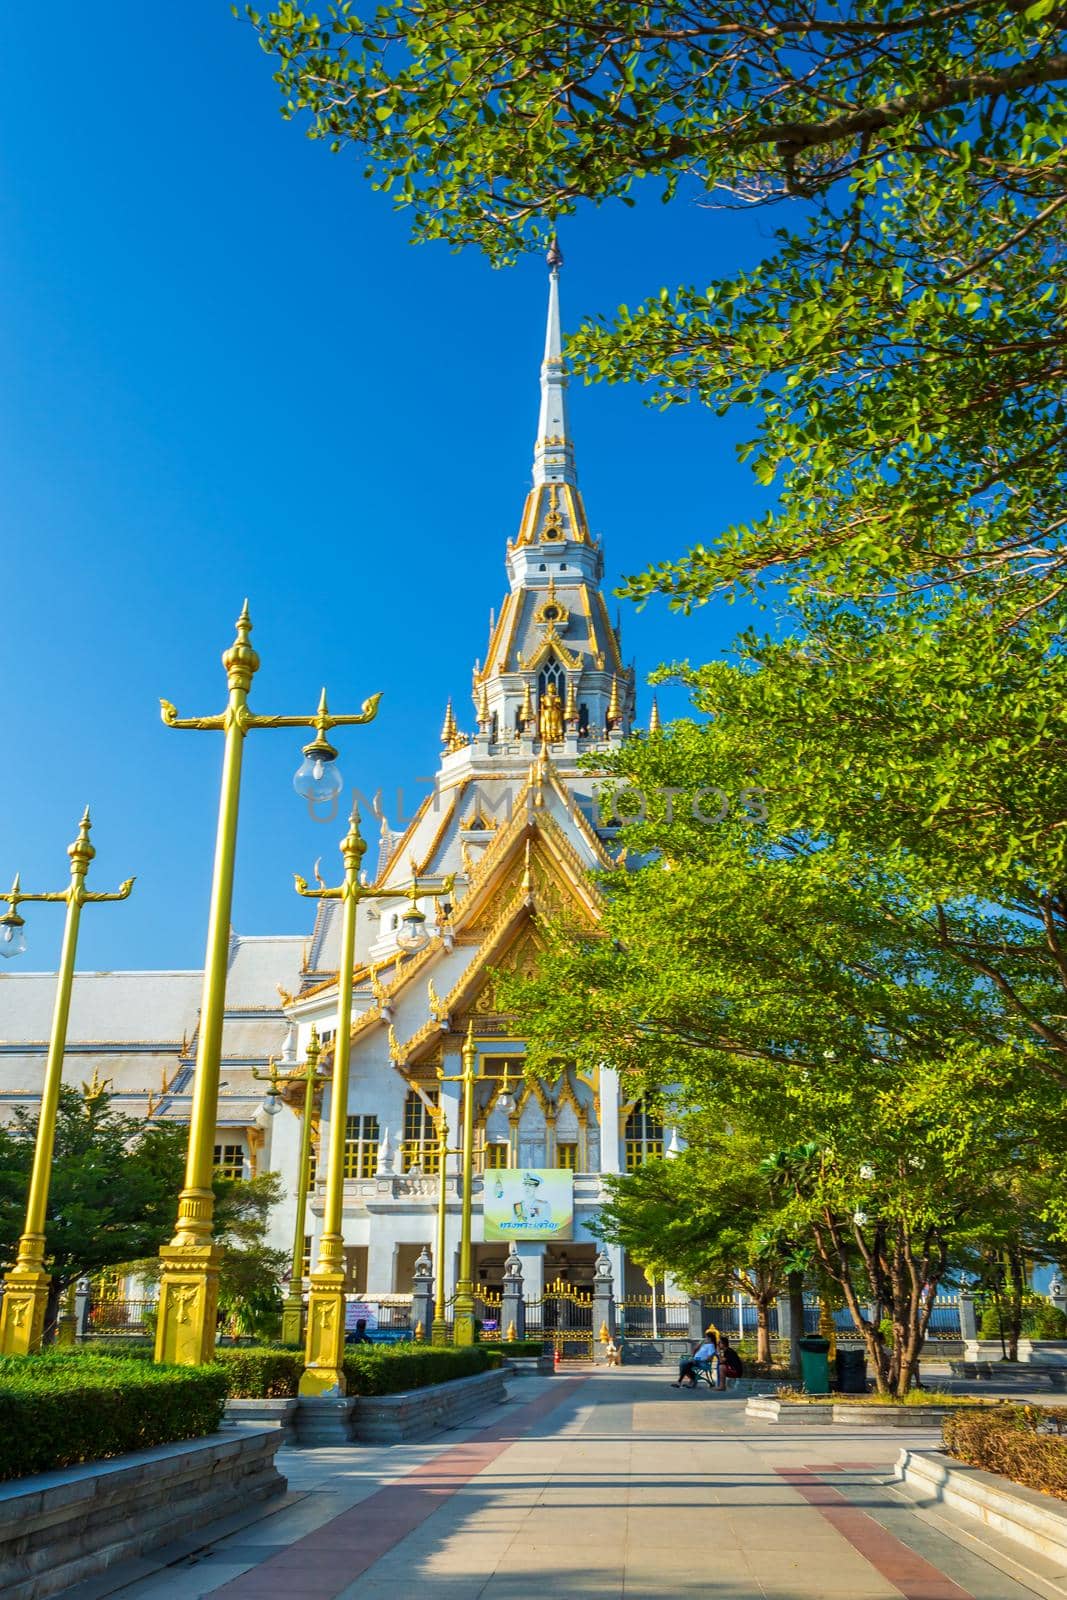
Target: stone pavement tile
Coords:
[[839, 1575]]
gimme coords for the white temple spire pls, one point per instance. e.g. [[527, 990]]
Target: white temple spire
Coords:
[[553, 452]]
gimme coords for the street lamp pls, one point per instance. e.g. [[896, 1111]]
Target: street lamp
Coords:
[[293, 1304], [188, 1290], [26, 1285], [12, 936], [463, 1314], [324, 1372]]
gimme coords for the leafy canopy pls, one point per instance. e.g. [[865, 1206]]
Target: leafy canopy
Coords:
[[899, 350]]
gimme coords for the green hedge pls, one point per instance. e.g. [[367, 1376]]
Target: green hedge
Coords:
[[392, 1368], [64, 1407], [1024, 1443], [513, 1347], [256, 1372], [1041, 1320]]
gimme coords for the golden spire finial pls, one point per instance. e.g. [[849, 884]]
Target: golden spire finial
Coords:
[[240, 660], [81, 851], [527, 712], [527, 873], [654, 724], [570, 710], [484, 714], [614, 712], [448, 728]]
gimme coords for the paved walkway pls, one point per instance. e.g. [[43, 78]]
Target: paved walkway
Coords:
[[598, 1486]]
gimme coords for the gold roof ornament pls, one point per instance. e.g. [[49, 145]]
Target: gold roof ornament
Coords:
[[448, 729], [484, 714], [527, 712], [614, 709], [654, 724], [96, 1089], [570, 710]]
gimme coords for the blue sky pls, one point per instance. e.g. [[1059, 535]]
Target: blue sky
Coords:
[[225, 371]]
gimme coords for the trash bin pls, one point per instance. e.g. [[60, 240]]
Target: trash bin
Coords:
[[815, 1364], [851, 1371]]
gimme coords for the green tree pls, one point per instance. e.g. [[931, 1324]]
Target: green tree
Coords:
[[707, 1216], [250, 1299], [112, 1193], [799, 982], [899, 350]]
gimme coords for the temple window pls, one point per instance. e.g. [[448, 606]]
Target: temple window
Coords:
[[496, 1156], [229, 1161], [361, 1147], [419, 1147], [644, 1137], [567, 1155]]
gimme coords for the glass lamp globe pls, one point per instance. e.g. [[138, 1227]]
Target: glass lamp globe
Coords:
[[12, 936], [412, 935], [318, 777]]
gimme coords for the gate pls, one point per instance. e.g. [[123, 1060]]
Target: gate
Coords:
[[563, 1320]]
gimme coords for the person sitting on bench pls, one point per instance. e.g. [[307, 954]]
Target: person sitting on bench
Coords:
[[701, 1356]]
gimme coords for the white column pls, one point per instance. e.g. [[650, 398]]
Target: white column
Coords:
[[610, 1138], [381, 1260], [531, 1253]]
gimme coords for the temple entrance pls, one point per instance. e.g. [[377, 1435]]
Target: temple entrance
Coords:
[[570, 1264], [563, 1317]]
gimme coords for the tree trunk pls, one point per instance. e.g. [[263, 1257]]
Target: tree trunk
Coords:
[[763, 1330], [795, 1290]]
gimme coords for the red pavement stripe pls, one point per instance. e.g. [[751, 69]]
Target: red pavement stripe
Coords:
[[915, 1578], [322, 1563]]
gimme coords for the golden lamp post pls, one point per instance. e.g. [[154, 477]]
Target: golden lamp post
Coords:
[[463, 1310], [439, 1331], [324, 1372], [26, 1285], [188, 1291], [293, 1304]]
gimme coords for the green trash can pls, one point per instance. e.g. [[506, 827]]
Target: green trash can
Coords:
[[815, 1364]]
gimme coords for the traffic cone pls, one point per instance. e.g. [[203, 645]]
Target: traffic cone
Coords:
[[555, 1358]]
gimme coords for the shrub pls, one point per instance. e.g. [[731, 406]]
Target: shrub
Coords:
[[513, 1347], [392, 1368], [1049, 1322], [255, 1373], [63, 1407], [1024, 1443], [1041, 1320]]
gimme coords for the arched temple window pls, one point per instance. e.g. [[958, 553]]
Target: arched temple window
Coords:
[[643, 1137], [419, 1147]]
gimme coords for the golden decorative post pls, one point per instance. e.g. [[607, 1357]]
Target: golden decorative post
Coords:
[[463, 1315], [439, 1330], [188, 1290], [293, 1304], [324, 1373], [463, 1309], [26, 1285]]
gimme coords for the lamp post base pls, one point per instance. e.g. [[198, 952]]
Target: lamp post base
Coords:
[[188, 1304], [293, 1319], [22, 1314], [463, 1317], [324, 1373], [439, 1331]]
